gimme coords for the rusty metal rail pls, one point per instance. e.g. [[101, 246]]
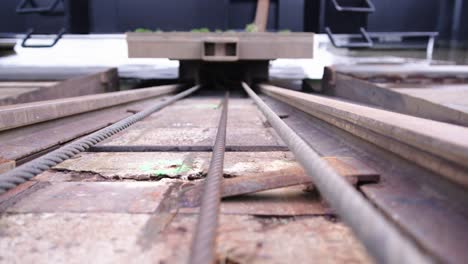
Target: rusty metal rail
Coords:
[[204, 241], [381, 237], [27, 171]]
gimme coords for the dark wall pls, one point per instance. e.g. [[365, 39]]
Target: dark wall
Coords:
[[391, 16], [10, 22], [123, 15], [405, 15], [114, 16]]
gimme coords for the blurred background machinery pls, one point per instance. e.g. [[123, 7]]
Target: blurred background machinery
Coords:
[[369, 21]]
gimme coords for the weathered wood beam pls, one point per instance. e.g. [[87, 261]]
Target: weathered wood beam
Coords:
[[437, 146]]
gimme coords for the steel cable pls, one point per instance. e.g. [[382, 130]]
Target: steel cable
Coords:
[[204, 241]]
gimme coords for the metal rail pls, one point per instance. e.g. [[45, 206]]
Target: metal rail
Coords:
[[27, 171], [204, 241], [381, 237]]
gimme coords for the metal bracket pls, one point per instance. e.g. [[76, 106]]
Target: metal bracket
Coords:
[[389, 40], [23, 8], [367, 44], [29, 36], [220, 49], [368, 8]]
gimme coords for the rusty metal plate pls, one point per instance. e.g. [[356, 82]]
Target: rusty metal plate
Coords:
[[251, 197], [10, 195], [80, 197], [290, 201], [353, 170], [6, 165]]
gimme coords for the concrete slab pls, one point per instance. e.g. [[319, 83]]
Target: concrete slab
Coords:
[[247, 136], [192, 165], [181, 117], [242, 113], [247, 239], [69, 237], [194, 122], [80, 197], [121, 238], [145, 134]]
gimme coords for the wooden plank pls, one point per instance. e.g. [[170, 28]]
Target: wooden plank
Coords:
[[415, 198], [31, 113], [440, 147], [261, 14], [404, 71], [251, 46], [48, 73], [398, 100], [23, 84], [21, 143], [105, 81]]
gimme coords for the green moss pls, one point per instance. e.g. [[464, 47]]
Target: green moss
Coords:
[[140, 30], [251, 28], [284, 31], [218, 31], [165, 167], [200, 30]]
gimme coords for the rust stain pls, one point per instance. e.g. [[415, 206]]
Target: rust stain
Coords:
[[352, 169], [6, 164], [160, 218]]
